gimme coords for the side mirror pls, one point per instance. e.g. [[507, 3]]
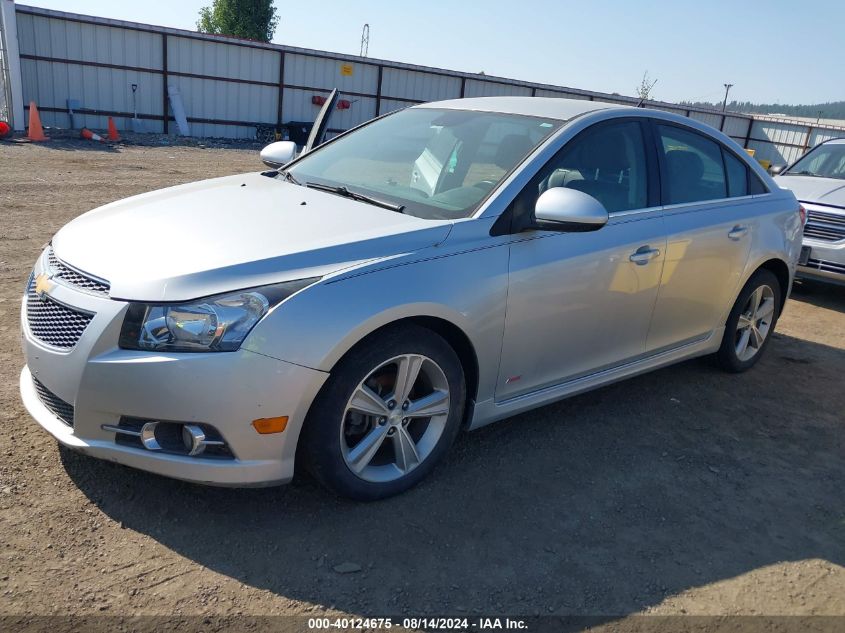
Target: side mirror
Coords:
[[774, 170], [278, 154], [564, 209]]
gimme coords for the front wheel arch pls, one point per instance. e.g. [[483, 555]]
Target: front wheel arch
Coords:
[[454, 336]]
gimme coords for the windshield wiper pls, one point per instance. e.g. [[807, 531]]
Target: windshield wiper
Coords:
[[352, 195], [804, 173]]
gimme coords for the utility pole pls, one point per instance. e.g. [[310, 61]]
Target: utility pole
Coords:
[[365, 40], [725, 102]]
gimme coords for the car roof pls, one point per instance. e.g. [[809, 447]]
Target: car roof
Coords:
[[836, 141], [546, 107]]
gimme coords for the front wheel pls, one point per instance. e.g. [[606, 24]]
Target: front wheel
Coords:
[[387, 414], [751, 322]]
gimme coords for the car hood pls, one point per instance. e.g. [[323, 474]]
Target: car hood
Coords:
[[813, 189], [229, 233]]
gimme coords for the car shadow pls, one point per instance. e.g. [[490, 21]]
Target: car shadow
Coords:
[[822, 295], [605, 503]]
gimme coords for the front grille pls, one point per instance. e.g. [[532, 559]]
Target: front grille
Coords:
[[56, 405], [828, 227], [826, 266], [63, 273], [54, 323]]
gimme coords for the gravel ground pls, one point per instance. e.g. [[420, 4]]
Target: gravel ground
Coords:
[[685, 491]]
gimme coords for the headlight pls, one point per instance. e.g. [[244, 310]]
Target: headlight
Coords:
[[213, 324]]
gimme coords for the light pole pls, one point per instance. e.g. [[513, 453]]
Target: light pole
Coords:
[[725, 102]]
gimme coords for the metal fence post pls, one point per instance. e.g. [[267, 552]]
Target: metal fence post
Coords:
[[164, 80], [281, 89], [378, 89], [11, 85]]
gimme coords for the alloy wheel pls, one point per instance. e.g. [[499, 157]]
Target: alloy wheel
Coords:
[[754, 323], [394, 418]]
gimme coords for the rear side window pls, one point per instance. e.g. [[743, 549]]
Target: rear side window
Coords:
[[737, 175], [693, 167]]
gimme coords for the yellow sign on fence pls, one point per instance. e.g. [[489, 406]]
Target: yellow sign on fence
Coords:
[[346, 70]]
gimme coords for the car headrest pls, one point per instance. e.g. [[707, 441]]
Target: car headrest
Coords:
[[684, 166], [605, 152], [512, 149]]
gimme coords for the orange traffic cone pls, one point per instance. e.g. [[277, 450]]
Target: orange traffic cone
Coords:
[[113, 135], [91, 136], [35, 132]]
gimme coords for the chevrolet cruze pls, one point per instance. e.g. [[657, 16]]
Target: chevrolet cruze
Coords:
[[434, 270]]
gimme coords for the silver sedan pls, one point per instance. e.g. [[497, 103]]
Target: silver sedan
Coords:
[[818, 180], [434, 270]]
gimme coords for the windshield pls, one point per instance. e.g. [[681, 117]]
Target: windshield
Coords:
[[434, 164], [826, 161]]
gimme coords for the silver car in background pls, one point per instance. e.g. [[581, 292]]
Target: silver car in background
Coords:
[[818, 181], [436, 269]]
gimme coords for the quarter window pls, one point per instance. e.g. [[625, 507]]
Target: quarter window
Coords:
[[693, 167], [737, 175]]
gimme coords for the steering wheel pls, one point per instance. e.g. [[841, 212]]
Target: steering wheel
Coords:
[[486, 185]]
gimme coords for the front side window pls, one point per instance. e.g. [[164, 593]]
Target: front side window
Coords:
[[825, 161], [693, 170], [435, 163], [608, 162]]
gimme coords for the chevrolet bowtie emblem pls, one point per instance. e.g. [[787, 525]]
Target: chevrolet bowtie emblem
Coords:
[[43, 284]]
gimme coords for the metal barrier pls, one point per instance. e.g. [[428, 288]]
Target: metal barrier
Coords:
[[230, 87]]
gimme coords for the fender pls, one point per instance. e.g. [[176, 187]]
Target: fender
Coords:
[[468, 289]]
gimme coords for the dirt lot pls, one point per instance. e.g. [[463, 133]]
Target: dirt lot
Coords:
[[684, 491]]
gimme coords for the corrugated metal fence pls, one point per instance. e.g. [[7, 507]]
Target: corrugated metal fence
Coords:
[[230, 86]]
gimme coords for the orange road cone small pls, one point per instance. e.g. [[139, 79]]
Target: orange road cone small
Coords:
[[91, 136], [35, 131], [113, 135]]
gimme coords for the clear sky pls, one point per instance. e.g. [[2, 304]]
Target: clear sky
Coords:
[[777, 51]]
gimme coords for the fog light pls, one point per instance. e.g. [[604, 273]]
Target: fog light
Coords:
[[148, 436], [193, 437], [270, 425]]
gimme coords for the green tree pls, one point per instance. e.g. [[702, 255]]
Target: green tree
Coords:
[[248, 19]]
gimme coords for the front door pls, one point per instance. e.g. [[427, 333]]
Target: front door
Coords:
[[581, 302]]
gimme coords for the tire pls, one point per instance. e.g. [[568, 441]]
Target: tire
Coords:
[[338, 435], [733, 356]]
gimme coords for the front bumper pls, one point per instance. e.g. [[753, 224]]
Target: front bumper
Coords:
[[227, 390], [823, 236]]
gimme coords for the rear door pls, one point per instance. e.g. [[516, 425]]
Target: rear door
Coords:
[[581, 302], [709, 218]]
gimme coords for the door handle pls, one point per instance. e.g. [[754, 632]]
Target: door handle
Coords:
[[643, 255], [737, 232]]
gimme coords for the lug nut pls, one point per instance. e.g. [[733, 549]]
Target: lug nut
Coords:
[[382, 421], [391, 404], [405, 405], [404, 420]]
